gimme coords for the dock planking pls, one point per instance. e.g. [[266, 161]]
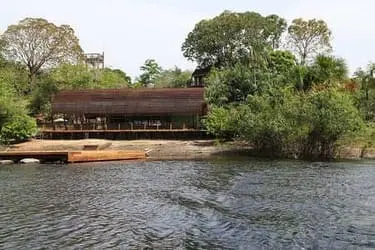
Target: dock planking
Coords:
[[74, 156]]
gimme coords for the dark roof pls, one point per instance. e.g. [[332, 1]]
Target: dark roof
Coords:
[[131, 102]]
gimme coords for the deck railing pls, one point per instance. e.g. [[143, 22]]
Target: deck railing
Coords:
[[116, 127]]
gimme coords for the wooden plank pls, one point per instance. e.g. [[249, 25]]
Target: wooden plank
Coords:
[[40, 155], [91, 156], [74, 156]]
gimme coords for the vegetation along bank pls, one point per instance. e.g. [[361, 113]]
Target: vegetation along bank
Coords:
[[274, 85]]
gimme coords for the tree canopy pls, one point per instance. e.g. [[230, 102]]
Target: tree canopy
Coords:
[[150, 71], [173, 78], [38, 44], [233, 37], [307, 38]]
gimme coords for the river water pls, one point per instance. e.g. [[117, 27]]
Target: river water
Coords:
[[252, 204]]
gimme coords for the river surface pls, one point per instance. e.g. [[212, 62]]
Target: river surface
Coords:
[[252, 204]]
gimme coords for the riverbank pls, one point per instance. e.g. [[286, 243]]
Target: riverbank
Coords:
[[156, 149], [170, 149]]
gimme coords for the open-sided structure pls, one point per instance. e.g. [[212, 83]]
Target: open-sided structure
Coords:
[[130, 109]]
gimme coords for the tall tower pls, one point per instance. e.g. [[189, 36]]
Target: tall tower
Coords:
[[95, 60]]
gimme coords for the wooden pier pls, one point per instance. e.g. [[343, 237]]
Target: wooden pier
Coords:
[[74, 156]]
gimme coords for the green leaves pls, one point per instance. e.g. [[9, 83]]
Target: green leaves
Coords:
[[17, 128], [232, 38], [37, 44], [151, 71], [68, 76], [173, 78], [277, 119], [15, 124], [308, 38]]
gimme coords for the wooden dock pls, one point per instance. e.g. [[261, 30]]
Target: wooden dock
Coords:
[[74, 156]]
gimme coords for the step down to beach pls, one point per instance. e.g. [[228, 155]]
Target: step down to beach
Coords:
[[74, 156]]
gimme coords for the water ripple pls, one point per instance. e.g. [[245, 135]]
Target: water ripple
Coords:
[[188, 205]]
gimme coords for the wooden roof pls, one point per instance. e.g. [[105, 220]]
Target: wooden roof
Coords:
[[131, 102]]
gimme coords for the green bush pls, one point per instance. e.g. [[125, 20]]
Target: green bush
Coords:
[[275, 122], [332, 116], [283, 123], [18, 128], [223, 122]]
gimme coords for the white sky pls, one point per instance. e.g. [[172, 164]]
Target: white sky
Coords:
[[129, 32]]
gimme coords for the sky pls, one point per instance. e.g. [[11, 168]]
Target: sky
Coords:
[[129, 32]]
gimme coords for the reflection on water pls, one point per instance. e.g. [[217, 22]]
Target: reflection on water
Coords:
[[188, 205]]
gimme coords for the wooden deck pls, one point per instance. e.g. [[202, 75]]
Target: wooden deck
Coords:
[[74, 156], [117, 130], [124, 134]]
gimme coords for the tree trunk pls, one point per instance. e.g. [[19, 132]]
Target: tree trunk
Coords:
[[31, 82]]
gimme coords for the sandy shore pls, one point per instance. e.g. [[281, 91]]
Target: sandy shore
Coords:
[[157, 149], [169, 149]]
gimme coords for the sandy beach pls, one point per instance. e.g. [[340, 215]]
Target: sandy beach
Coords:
[[156, 149], [169, 149]]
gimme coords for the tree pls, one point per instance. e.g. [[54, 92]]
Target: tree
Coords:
[[78, 76], [275, 28], [69, 76], [365, 78], [122, 75], [151, 70], [109, 78], [15, 124], [328, 70], [309, 38], [173, 78], [15, 75], [233, 37], [231, 85], [18, 127], [332, 115], [281, 62], [38, 44]]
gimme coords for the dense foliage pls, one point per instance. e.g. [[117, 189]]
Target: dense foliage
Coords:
[[37, 59], [38, 44], [15, 124], [298, 103], [271, 84]]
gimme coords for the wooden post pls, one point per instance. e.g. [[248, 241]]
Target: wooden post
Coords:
[[131, 126], [53, 123], [65, 125], [184, 125], [119, 126], [170, 126]]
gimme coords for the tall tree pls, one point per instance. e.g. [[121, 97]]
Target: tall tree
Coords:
[[329, 69], [123, 75], [150, 71], [233, 37], [308, 38], [275, 28], [366, 78], [173, 78], [281, 62], [38, 44]]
